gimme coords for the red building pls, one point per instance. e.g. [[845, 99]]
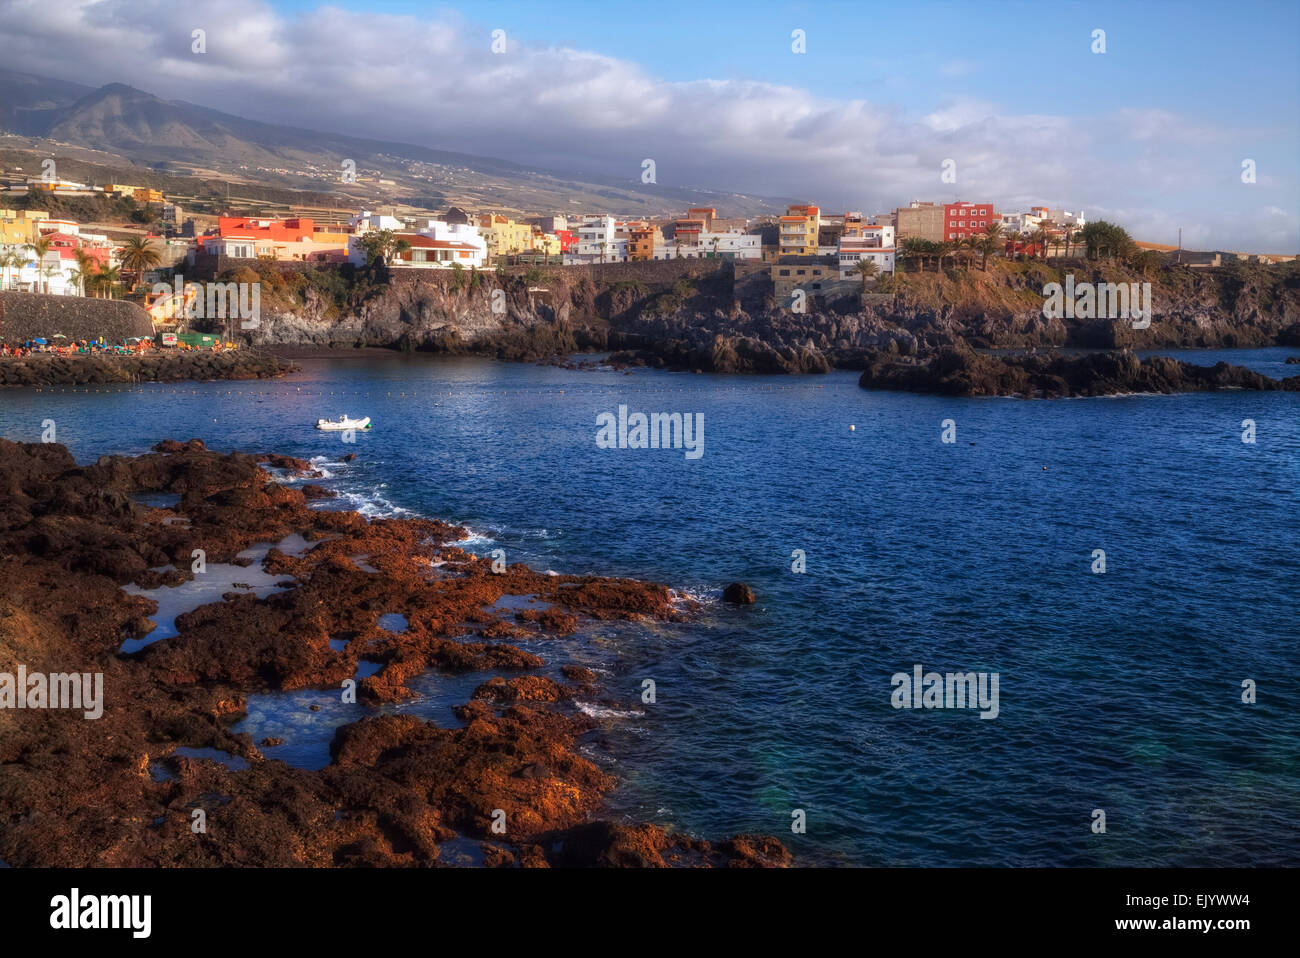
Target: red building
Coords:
[[294, 230], [961, 220], [568, 240]]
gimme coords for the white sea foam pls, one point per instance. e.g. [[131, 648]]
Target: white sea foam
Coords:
[[604, 712]]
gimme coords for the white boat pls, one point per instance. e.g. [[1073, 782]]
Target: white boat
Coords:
[[343, 422]]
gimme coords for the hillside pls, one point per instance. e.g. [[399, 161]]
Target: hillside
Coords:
[[122, 124]]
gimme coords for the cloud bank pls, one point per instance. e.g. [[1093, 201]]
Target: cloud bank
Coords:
[[435, 81]]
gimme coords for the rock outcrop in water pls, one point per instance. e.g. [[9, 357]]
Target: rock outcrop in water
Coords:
[[961, 371], [115, 791]]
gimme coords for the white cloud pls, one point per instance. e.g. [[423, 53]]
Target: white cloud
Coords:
[[434, 81]]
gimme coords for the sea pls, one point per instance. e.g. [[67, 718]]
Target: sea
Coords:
[[1126, 567]]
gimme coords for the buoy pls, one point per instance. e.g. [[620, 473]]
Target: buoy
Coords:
[[852, 428]]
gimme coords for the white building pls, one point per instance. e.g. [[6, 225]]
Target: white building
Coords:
[[365, 221], [1029, 222], [436, 245], [1020, 222], [722, 244], [598, 242], [855, 249]]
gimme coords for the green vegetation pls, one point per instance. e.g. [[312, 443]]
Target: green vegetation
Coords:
[[1103, 240], [138, 254], [380, 246], [83, 209]]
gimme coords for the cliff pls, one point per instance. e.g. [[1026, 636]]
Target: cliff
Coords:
[[696, 314]]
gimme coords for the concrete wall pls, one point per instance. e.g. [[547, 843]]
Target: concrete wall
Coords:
[[923, 222], [25, 316]]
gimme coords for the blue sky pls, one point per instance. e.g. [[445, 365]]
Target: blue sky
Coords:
[[1210, 58], [1151, 134]]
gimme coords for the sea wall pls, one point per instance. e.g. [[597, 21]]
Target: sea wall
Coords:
[[25, 316], [164, 366]]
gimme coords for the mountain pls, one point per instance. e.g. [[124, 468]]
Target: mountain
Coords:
[[142, 128]]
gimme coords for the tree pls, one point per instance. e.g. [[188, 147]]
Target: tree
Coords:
[[107, 279], [40, 247], [603, 244], [1041, 238], [380, 246], [943, 251], [1147, 260], [9, 260], [1103, 240], [86, 266], [867, 268], [989, 243], [137, 255]]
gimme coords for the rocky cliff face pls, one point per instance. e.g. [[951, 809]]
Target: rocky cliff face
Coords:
[[707, 319], [961, 371]]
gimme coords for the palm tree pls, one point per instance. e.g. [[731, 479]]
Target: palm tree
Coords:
[[107, 279], [716, 240], [969, 247], [49, 272], [989, 243], [86, 266], [866, 269], [603, 244], [1041, 237], [138, 254], [8, 260], [40, 247], [75, 276], [943, 251]]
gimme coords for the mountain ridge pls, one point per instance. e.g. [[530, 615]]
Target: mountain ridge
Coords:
[[139, 126]]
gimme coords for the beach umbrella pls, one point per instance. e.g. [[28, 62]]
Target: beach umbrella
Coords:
[[40, 342], [58, 336]]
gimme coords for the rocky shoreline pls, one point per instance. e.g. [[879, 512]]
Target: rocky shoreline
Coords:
[[115, 790], [961, 371], [163, 366], [726, 318]]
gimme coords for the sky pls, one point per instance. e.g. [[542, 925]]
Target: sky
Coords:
[[1152, 133]]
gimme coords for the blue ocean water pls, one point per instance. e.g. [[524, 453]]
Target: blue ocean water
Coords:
[[1119, 691]]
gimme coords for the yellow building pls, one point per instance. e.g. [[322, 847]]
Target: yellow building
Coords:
[[799, 229], [547, 243], [140, 194], [504, 236], [19, 227]]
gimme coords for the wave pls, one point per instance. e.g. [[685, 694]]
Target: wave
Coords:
[[705, 595], [593, 710]]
